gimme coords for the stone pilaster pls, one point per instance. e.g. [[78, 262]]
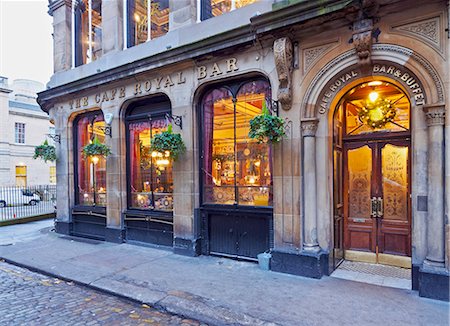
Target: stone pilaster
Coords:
[[182, 13], [435, 115], [112, 26], [310, 241], [61, 10]]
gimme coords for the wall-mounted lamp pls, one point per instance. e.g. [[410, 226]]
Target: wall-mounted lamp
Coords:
[[55, 137], [177, 120], [107, 128]]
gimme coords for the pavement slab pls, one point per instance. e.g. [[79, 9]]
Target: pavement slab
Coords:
[[221, 291]]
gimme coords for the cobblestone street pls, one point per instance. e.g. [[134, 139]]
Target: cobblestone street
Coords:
[[28, 298]]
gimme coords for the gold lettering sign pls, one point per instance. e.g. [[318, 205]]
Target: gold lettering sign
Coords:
[[157, 83]]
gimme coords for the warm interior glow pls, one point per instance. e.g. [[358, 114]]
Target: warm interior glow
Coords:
[[163, 162], [373, 96], [375, 83], [95, 159]]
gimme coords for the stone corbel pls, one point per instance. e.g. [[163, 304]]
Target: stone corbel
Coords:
[[282, 49], [362, 40]]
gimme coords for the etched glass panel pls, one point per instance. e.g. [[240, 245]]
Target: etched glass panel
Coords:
[[359, 182], [394, 161]]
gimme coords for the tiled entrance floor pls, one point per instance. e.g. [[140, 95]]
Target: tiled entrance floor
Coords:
[[377, 274]]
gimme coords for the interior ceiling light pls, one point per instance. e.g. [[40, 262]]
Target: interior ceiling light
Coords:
[[375, 83]]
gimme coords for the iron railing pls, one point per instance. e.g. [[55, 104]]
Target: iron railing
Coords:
[[23, 202]]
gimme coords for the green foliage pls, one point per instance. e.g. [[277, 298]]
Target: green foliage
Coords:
[[96, 148], [168, 141], [266, 128], [45, 152]]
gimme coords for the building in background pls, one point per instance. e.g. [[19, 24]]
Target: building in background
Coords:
[[23, 125], [363, 173]]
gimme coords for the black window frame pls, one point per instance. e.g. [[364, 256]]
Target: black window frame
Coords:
[[155, 107], [233, 85], [93, 114]]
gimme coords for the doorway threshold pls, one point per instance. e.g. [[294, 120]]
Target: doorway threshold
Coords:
[[377, 274]]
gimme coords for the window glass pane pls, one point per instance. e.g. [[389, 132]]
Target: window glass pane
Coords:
[[160, 17], [140, 21], [21, 176], [219, 7], [88, 20], [234, 164], [91, 171], [254, 168], [151, 173], [53, 174], [19, 133], [375, 96], [218, 147], [96, 29]]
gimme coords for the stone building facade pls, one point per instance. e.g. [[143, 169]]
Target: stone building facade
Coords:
[[23, 126], [362, 174]]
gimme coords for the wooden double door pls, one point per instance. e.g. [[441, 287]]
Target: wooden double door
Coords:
[[376, 194]]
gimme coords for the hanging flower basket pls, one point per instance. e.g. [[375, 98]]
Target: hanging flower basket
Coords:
[[45, 152], [96, 148], [168, 144], [266, 128]]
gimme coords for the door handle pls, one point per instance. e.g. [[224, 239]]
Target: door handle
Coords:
[[374, 207], [380, 210]]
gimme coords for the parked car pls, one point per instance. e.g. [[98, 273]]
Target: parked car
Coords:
[[14, 196]]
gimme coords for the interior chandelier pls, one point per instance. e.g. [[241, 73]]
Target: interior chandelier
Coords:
[[377, 111]]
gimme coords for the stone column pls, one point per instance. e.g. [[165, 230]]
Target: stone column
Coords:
[[435, 115], [61, 10], [112, 26], [310, 242]]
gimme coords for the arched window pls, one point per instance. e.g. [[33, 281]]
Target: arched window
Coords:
[[150, 183], [90, 172], [236, 170]]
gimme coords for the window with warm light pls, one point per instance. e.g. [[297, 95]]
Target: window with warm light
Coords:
[[53, 174], [88, 31], [21, 176], [213, 8], [150, 182], [90, 171], [375, 106], [236, 169], [145, 16]]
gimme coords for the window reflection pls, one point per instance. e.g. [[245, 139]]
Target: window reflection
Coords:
[[151, 172], [237, 170], [359, 97], [140, 24], [88, 31], [91, 174], [213, 8]]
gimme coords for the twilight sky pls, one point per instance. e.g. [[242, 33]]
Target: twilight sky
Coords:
[[26, 44]]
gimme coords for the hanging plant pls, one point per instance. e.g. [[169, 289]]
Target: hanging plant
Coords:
[[168, 144], [96, 148], [266, 128], [45, 152], [377, 113]]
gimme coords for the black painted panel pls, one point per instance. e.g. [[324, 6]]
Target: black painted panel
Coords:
[[149, 232]]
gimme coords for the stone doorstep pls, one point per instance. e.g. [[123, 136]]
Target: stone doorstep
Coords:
[[175, 302]]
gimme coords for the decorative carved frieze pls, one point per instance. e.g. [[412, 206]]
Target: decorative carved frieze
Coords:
[[427, 30], [362, 40], [313, 54], [282, 49], [435, 114], [309, 127]]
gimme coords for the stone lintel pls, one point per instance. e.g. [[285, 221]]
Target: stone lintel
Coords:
[[435, 114]]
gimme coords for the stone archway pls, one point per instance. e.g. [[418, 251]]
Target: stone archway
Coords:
[[420, 80]]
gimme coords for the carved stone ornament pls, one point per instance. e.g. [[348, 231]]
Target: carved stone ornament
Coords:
[[435, 114], [362, 40], [309, 127], [282, 49]]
